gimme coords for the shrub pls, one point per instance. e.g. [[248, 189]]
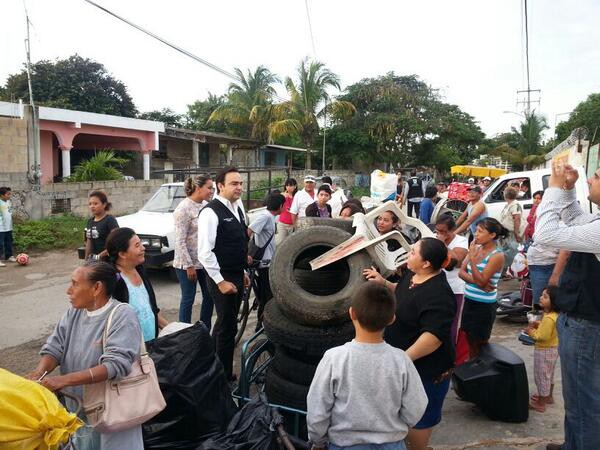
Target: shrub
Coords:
[[65, 231], [99, 167]]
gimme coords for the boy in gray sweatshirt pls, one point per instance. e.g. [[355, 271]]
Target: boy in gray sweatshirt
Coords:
[[365, 393]]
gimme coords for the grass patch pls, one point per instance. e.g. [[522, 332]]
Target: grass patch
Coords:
[[259, 188], [65, 231], [360, 191]]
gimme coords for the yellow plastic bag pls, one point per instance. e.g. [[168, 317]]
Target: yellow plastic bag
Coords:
[[31, 417]]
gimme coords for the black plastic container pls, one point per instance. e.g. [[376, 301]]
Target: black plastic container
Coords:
[[496, 382]]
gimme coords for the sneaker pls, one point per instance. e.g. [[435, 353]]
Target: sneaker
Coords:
[[2, 264], [12, 259]]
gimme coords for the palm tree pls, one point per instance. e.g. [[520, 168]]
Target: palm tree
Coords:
[[308, 102], [527, 150], [249, 103]]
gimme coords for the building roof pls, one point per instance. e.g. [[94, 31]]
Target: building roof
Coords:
[[206, 136], [286, 148], [83, 117]]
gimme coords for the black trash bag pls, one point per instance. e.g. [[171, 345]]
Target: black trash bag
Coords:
[[252, 428], [193, 382]]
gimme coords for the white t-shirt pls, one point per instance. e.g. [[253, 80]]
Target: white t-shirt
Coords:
[[456, 284], [338, 198], [263, 227], [301, 200]]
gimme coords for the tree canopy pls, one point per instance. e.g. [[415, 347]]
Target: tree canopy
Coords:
[[73, 83], [402, 121], [165, 115], [309, 100], [586, 114]]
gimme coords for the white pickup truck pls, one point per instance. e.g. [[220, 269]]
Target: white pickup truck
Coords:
[[155, 226], [493, 197]]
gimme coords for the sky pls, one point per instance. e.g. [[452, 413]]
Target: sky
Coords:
[[471, 50]]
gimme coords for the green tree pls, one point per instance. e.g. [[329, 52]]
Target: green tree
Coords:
[[401, 120], [165, 115], [524, 148], [309, 101], [248, 105], [100, 167], [200, 111], [586, 114], [73, 83]]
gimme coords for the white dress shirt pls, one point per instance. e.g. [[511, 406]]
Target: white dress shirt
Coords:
[[207, 236], [581, 230], [301, 200]]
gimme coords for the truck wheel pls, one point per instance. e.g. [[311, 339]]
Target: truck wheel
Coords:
[[309, 222], [285, 393], [321, 296], [303, 341], [291, 368]]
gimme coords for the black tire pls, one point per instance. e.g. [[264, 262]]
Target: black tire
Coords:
[[292, 369], [308, 341], [285, 393], [305, 223], [329, 302]]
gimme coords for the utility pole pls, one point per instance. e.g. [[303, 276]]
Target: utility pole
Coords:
[[324, 132], [34, 136], [527, 101]]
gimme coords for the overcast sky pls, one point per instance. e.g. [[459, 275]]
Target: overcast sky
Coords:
[[472, 50]]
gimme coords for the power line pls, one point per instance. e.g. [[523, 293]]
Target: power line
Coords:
[[173, 46], [312, 38]]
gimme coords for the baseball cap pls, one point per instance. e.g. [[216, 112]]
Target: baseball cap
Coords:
[[487, 178], [471, 180], [309, 179], [475, 189]]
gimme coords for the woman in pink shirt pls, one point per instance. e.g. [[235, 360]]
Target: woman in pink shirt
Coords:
[[285, 223]]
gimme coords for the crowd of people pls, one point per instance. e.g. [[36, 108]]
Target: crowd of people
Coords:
[[407, 326]]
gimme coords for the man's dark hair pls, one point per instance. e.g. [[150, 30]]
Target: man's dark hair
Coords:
[[327, 179], [325, 188], [374, 306], [274, 202], [103, 272], [430, 192], [413, 173], [448, 220], [4, 190], [540, 193], [220, 178]]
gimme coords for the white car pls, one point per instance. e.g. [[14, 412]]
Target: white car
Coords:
[[155, 226], [493, 197]]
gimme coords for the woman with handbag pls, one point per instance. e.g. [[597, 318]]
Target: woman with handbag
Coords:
[[126, 253], [75, 346]]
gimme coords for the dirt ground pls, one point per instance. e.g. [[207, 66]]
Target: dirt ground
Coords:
[[33, 298]]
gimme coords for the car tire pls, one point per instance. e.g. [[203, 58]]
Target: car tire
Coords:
[[309, 222], [329, 300], [303, 341], [291, 368], [284, 392]]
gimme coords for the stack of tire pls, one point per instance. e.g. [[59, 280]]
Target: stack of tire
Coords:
[[309, 311]]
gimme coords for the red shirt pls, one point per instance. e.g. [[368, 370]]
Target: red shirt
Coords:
[[531, 218], [285, 216]]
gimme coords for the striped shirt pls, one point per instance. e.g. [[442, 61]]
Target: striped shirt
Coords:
[[474, 292], [580, 231]]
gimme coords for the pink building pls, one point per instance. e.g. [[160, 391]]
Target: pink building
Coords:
[[68, 137]]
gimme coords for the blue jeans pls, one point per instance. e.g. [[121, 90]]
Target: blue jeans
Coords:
[[387, 446], [188, 293], [6, 244], [539, 277], [579, 351]]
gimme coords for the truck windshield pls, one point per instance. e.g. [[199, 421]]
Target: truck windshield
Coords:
[[165, 199]]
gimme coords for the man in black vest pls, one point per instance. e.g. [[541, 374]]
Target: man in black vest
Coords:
[[414, 191], [223, 252], [579, 301]]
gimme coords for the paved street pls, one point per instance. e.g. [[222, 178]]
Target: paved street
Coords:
[[33, 299]]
